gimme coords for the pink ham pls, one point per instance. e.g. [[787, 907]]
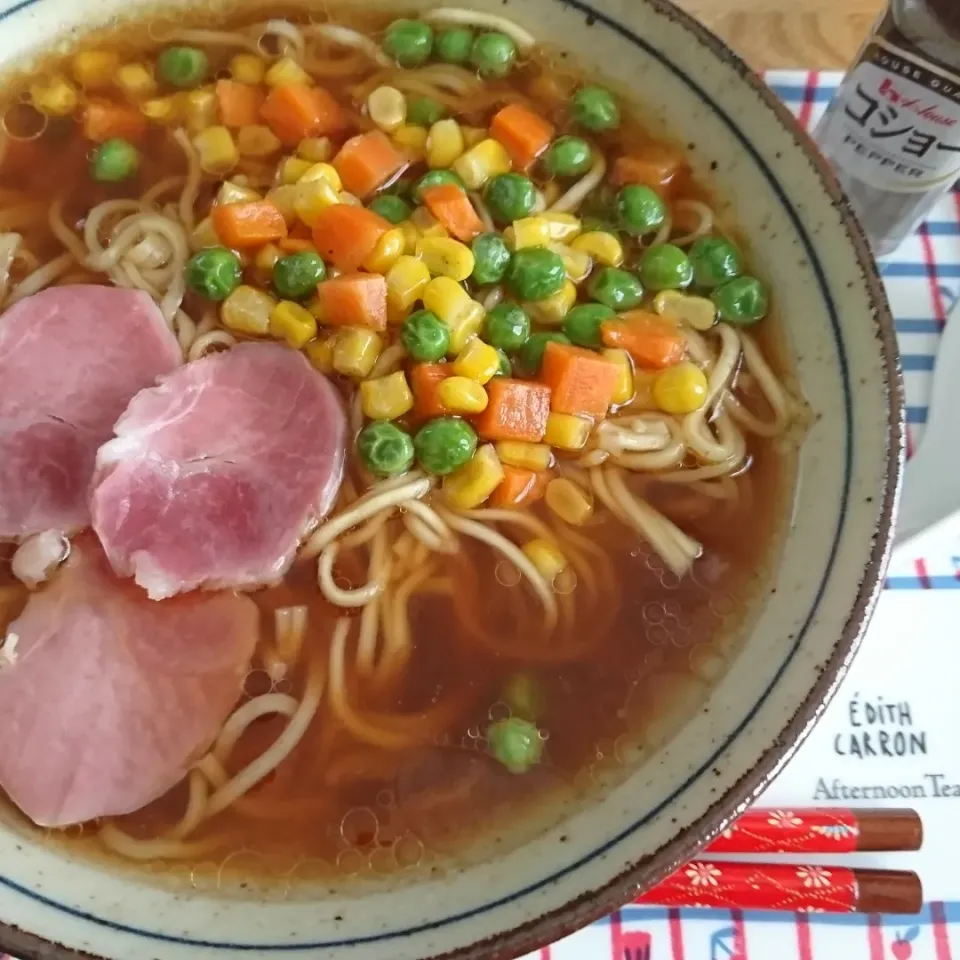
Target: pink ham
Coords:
[[71, 358], [216, 474], [107, 697]]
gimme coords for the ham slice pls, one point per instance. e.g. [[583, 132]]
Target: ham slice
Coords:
[[216, 474], [106, 697], [71, 358]]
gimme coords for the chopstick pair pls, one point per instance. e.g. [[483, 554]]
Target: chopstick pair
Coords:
[[801, 887]]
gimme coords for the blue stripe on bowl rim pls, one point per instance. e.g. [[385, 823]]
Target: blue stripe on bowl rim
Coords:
[[795, 219]]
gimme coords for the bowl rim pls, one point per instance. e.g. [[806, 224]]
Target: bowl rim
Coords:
[[614, 893]]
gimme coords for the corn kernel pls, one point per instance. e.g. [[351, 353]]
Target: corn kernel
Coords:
[[232, 192], [577, 263], [136, 80], [58, 98], [320, 355], [427, 224], [411, 237], [355, 351], [567, 431], [568, 501], [475, 481], [446, 257], [680, 389], [484, 160], [204, 235], [257, 140], [285, 198], [444, 144], [247, 68], [466, 325], [527, 232], [406, 280], [200, 109], [387, 108], [312, 198], [350, 199], [478, 361], [623, 390], [385, 254], [247, 310], [643, 381], [604, 247], [412, 139], [554, 308], [386, 398], [161, 109], [526, 456], [699, 312], [285, 71], [462, 395], [267, 257], [546, 557], [562, 226], [216, 149], [95, 68], [291, 169], [322, 171], [446, 298], [315, 149], [473, 135], [292, 323]]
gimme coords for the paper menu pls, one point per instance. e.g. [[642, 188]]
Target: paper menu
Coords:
[[891, 736]]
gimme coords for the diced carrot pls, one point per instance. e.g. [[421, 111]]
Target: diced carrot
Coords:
[[425, 380], [655, 165], [516, 410], [295, 245], [580, 381], [295, 111], [524, 134], [346, 235], [653, 341], [518, 488], [104, 119], [354, 300], [452, 207], [366, 162], [245, 225], [240, 103]]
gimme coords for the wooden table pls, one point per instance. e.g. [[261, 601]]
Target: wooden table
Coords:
[[821, 34]]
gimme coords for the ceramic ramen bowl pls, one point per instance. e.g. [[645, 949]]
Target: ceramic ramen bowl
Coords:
[[590, 859]]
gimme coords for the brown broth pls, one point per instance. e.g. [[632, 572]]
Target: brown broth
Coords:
[[338, 805]]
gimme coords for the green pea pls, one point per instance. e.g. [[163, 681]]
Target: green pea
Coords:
[[742, 301], [516, 743], [445, 444], [493, 54], [491, 258], [506, 367], [666, 267], [595, 108], [568, 157], [296, 275], [582, 324], [454, 45], [183, 67], [531, 357], [409, 42], [524, 696], [640, 209], [425, 111], [391, 207], [535, 273], [425, 336], [507, 327], [114, 161], [214, 273], [435, 178], [616, 289], [715, 260], [510, 196], [385, 450]]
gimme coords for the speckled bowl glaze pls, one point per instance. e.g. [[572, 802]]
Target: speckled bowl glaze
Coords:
[[841, 339]]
